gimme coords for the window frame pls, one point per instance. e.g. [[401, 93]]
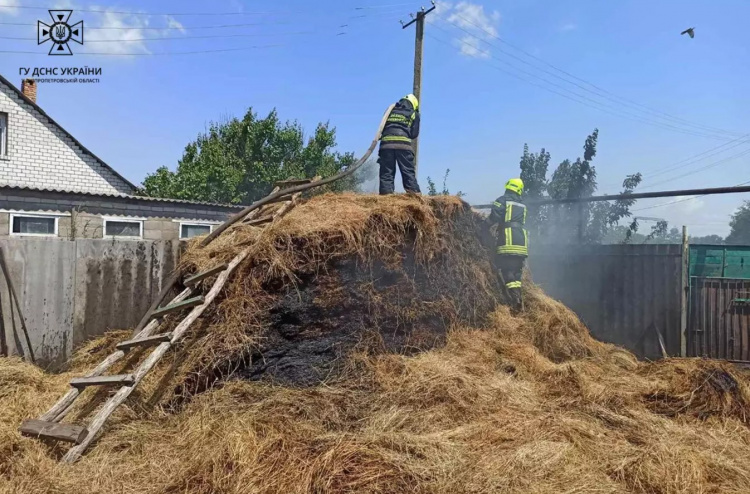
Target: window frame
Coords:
[[122, 219], [5, 137], [193, 223], [19, 214]]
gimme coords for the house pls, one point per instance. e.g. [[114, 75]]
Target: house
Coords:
[[52, 186]]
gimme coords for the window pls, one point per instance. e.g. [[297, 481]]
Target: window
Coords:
[[33, 225], [3, 134], [190, 230], [123, 228]]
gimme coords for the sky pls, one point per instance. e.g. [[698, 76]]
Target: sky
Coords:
[[496, 75]]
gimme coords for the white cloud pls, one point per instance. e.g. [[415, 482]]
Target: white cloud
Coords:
[[476, 27], [471, 47], [10, 7], [119, 34], [173, 23], [568, 27]]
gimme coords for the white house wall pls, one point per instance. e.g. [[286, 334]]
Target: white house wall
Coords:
[[40, 155]]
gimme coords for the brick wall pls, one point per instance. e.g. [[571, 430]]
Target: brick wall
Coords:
[[40, 155]]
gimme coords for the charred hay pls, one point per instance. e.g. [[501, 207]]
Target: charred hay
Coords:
[[528, 404]]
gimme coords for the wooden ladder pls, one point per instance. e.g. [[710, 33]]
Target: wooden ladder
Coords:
[[50, 426]]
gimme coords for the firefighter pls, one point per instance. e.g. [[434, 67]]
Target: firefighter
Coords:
[[396, 146], [509, 213]]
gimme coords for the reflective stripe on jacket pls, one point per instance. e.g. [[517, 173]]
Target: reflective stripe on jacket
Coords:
[[401, 126], [510, 214]]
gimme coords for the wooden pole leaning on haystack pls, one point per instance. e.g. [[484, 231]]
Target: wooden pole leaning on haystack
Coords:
[[48, 424], [172, 281], [13, 299]]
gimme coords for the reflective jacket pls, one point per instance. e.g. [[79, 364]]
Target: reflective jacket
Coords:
[[510, 214], [401, 127]]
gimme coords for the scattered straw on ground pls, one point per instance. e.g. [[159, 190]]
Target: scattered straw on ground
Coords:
[[526, 404]]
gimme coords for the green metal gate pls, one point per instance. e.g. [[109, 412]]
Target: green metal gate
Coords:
[[719, 302]]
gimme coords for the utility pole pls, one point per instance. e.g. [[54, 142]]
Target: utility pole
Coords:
[[419, 20]]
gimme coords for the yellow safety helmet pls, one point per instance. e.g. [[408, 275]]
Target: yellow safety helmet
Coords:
[[516, 185], [413, 100]]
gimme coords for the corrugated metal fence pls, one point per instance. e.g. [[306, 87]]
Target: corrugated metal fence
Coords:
[[623, 293], [719, 318], [719, 302], [72, 290]]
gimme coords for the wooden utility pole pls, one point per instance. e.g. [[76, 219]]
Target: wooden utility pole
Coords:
[[419, 20]]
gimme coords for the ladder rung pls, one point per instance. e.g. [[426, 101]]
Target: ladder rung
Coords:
[[53, 430], [192, 280], [259, 221], [123, 379], [292, 182], [185, 304], [151, 340]]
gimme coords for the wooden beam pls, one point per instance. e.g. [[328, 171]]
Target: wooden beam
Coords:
[[192, 280], [14, 298], [166, 289], [101, 417], [52, 430], [60, 409], [260, 221], [684, 290], [281, 199], [122, 379], [293, 181], [186, 304], [149, 341]]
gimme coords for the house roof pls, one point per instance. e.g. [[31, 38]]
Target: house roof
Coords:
[[122, 196], [20, 94]]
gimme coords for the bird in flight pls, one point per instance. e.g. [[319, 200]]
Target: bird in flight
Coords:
[[690, 31]]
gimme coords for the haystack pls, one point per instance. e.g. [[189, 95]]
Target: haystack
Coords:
[[362, 349]]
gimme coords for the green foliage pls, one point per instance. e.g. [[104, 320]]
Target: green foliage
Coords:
[[571, 223], [534, 175], [708, 240], [432, 188], [739, 233], [237, 161], [660, 234]]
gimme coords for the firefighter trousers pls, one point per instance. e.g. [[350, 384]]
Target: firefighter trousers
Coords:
[[511, 268], [388, 158]]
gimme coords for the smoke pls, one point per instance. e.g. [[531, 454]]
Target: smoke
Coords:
[[367, 177]]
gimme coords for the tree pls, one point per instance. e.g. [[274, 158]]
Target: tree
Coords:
[[534, 175], [237, 161], [708, 240], [432, 189], [739, 233], [574, 222]]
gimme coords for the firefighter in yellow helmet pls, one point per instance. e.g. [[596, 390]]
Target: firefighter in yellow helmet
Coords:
[[509, 213], [397, 147]]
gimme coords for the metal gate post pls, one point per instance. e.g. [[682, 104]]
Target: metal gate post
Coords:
[[684, 292]]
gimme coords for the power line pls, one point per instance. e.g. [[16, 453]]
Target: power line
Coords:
[[682, 200], [605, 92], [691, 159], [176, 38], [181, 14], [557, 77], [143, 54], [710, 165], [740, 188], [583, 99]]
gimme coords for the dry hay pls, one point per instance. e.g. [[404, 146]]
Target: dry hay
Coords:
[[527, 404]]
